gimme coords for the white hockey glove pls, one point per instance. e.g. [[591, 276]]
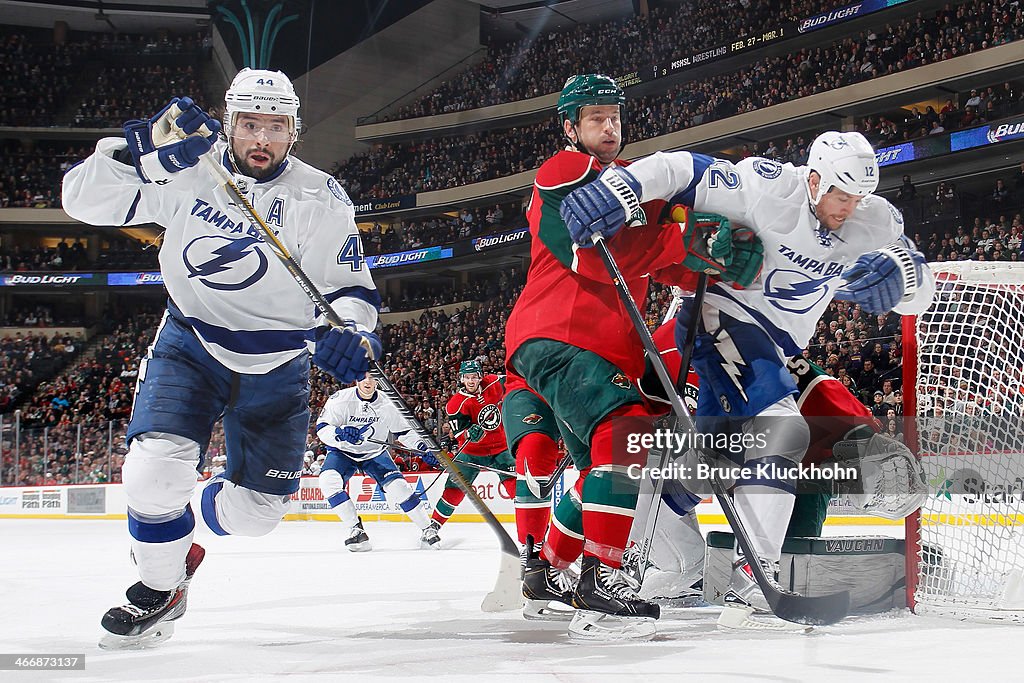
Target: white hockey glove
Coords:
[[156, 146]]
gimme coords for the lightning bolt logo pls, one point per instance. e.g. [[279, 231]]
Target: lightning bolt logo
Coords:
[[731, 365], [784, 288], [228, 258]]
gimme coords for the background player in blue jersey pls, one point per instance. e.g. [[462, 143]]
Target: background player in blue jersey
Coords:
[[352, 424], [825, 236], [236, 340]]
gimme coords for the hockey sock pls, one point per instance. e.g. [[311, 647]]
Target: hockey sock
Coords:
[[538, 452], [446, 504], [159, 547], [400, 494], [609, 494], [564, 542], [333, 487]]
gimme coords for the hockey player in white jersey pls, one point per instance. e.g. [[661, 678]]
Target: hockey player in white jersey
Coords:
[[352, 424], [825, 236], [238, 333]]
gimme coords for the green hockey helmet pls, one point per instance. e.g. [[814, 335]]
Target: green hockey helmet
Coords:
[[468, 367], [587, 89]]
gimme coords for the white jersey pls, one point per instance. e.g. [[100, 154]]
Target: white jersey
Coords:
[[803, 261], [346, 408], [246, 308]]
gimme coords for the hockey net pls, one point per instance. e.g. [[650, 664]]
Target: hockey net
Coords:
[[963, 372]]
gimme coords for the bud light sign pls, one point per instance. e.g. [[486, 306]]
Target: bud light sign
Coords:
[[134, 279]]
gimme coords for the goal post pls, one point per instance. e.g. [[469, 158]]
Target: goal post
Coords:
[[963, 376]]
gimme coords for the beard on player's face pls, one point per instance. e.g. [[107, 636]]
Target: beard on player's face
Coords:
[[257, 159]]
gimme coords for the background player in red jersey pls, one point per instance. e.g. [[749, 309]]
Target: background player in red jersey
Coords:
[[474, 416]]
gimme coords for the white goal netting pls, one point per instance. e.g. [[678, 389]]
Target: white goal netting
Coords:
[[967, 378]]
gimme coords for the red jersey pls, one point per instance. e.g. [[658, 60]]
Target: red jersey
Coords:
[[484, 409], [569, 296]]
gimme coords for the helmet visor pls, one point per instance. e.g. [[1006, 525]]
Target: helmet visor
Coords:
[[256, 130]]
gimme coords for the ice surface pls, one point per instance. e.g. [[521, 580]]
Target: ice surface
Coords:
[[297, 605]]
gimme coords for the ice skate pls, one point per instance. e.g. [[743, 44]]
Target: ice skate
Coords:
[[430, 537], [548, 591], [148, 618], [746, 608], [358, 541], [608, 607]]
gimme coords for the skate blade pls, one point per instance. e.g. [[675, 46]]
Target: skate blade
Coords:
[[143, 641], [436, 545], [589, 626], [547, 610], [681, 601], [735, 618], [363, 547]]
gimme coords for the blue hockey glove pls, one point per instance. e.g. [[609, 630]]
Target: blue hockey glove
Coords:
[[879, 280], [601, 207], [341, 354], [350, 434], [430, 459], [155, 145], [475, 433]]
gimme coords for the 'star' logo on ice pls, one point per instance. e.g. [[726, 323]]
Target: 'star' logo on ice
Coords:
[[793, 291], [223, 263]]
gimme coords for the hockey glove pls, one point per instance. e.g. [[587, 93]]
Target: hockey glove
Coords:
[[350, 434], [879, 280], [157, 149], [747, 258], [430, 459], [342, 354], [707, 238], [475, 433], [601, 207]]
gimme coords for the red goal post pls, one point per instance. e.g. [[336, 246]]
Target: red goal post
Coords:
[[963, 378]]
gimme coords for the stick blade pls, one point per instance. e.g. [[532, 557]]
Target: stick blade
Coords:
[[818, 610]]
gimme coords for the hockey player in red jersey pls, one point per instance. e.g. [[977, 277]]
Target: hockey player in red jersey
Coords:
[[474, 416], [572, 341]]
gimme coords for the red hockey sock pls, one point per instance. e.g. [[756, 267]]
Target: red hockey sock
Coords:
[[609, 494]]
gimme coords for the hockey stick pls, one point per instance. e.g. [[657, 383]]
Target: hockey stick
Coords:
[[801, 609], [384, 385], [679, 387], [549, 486], [482, 468]]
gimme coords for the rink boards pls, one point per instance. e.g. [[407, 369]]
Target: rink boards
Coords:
[[108, 501]]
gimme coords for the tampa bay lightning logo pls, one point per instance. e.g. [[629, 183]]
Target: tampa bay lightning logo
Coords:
[[223, 263], [793, 291], [767, 169]]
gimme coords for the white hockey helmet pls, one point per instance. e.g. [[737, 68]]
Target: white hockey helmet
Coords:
[[260, 91], [843, 160]]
